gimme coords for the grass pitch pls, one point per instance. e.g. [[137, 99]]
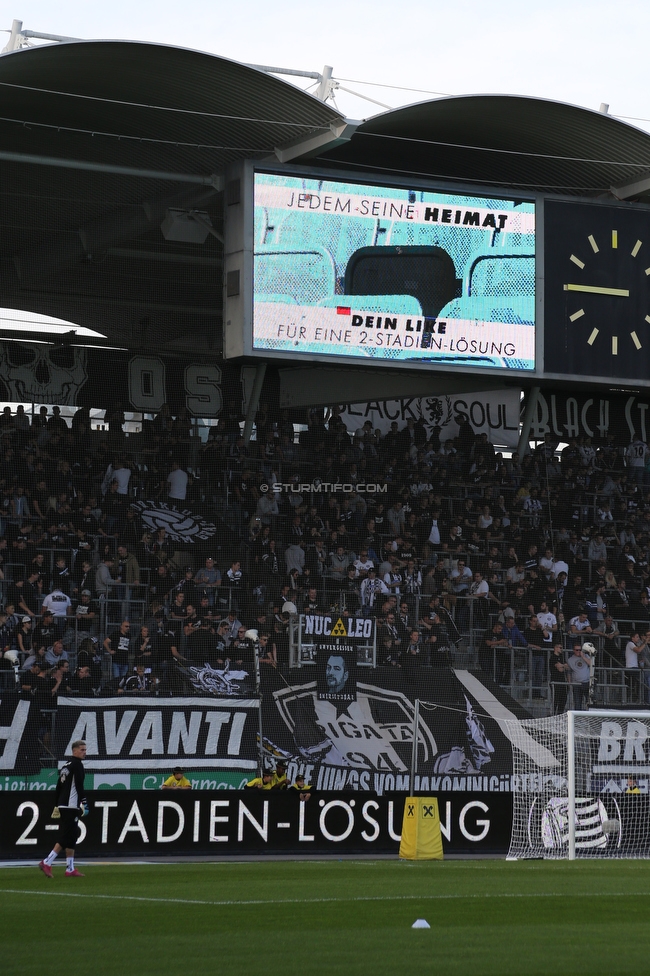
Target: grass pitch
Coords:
[[347, 917]]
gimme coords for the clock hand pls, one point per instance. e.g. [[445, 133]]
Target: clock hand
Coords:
[[595, 290]]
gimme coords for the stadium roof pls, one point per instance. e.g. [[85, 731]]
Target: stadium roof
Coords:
[[99, 138], [528, 143]]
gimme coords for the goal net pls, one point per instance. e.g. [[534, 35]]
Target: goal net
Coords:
[[581, 786]]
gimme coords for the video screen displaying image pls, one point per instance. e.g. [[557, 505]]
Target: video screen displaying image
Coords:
[[387, 274]]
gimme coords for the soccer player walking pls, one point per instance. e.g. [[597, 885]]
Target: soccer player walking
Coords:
[[70, 803]]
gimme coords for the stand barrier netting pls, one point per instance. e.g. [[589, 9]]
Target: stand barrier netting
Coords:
[[580, 786]]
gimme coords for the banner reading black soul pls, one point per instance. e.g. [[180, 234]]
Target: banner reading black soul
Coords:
[[565, 414]]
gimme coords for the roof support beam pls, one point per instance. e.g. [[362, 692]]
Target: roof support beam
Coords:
[[631, 188], [213, 179], [48, 301], [270, 70], [323, 386], [318, 142], [137, 254]]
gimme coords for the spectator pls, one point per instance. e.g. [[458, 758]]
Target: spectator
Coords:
[[535, 638], [396, 518], [479, 592], [411, 657], [363, 563], [60, 605], [208, 580], [89, 654], [177, 483], [371, 589], [597, 550], [294, 557], [137, 683], [56, 423], [390, 639], [24, 638], [635, 651], [547, 618], [512, 633], [55, 654], [558, 669], [610, 637], [117, 472], [234, 578], [393, 577], [579, 676], [187, 586], [81, 683], [338, 564], [30, 594], [128, 570], [84, 578], [580, 624], [233, 624], [460, 579], [86, 613], [104, 580], [178, 607], [177, 781], [143, 649], [45, 631], [118, 645]]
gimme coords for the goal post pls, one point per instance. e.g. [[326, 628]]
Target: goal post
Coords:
[[581, 785], [571, 783]]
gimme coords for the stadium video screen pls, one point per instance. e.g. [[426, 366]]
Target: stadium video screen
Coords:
[[392, 275]]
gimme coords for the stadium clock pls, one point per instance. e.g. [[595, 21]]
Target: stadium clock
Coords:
[[597, 296]]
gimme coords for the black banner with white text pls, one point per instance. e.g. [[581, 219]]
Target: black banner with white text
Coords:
[[144, 734], [253, 821], [565, 414], [32, 372]]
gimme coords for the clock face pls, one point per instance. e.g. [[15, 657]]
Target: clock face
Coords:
[[597, 291]]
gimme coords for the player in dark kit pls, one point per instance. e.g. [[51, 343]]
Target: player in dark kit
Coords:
[[70, 803]]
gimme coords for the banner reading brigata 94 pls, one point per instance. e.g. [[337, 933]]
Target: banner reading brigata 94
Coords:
[[393, 274]]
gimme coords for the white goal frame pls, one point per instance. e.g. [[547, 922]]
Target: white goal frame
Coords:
[[550, 764], [571, 759]]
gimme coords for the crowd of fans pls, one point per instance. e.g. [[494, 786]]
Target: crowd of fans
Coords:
[[447, 544]]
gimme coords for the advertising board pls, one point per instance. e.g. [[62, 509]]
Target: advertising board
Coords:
[[248, 822]]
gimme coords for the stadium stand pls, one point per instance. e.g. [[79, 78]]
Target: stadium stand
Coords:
[[99, 601]]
